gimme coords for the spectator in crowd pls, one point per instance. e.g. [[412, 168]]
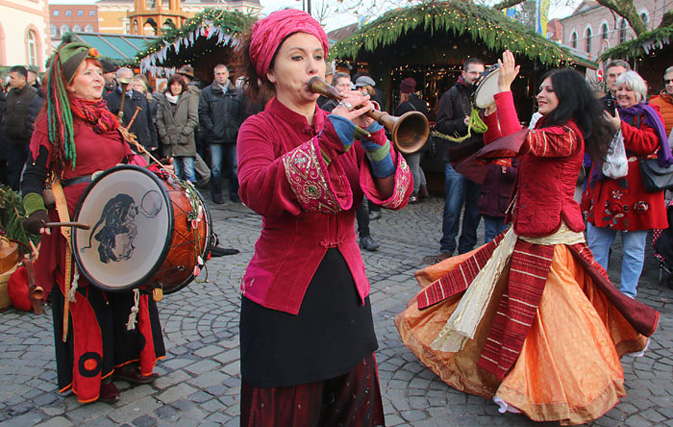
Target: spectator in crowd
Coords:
[[410, 101], [329, 79], [622, 205], [23, 105], [176, 120], [613, 70], [143, 127], [342, 82], [34, 81], [4, 142], [221, 112], [665, 100], [453, 115], [200, 166], [140, 84], [109, 70]]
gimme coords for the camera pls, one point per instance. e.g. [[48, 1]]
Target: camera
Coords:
[[611, 106]]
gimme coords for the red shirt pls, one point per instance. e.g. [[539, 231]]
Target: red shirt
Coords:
[[306, 206]]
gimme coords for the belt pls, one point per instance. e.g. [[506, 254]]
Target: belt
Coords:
[[76, 180]]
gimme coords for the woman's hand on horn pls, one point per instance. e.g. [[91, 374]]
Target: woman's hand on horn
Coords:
[[508, 71], [355, 107]]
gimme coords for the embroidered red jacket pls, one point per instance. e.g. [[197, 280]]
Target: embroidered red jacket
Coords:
[[549, 163], [306, 206]]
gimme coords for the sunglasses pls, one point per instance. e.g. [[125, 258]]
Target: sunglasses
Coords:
[[668, 81]]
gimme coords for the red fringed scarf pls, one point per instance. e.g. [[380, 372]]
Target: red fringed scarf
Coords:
[[96, 113]]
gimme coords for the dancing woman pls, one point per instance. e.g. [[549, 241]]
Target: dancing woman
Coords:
[[530, 319]]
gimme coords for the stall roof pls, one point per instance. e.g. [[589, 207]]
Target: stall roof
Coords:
[[642, 46], [461, 18], [119, 47]]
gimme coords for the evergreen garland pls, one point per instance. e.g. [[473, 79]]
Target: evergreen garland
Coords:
[[641, 46], [492, 27], [231, 22]]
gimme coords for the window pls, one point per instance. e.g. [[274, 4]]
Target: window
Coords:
[[32, 48], [646, 19], [622, 31], [573, 40], [68, 12], [89, 28], [92, 13], [53, 31], [56, 12], [587, 36], [80, 13], [64, 29], [604, 31], [77, 28]]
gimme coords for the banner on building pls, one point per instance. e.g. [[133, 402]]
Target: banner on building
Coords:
[[542, 16]]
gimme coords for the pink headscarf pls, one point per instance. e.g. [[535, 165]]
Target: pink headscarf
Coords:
[[269, 33]]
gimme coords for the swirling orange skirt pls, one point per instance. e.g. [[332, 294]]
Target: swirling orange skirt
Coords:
[[569, 368]]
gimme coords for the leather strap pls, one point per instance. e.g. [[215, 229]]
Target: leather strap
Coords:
[[64, 216]]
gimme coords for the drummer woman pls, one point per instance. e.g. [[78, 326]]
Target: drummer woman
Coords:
[[75, 135], [307, 335], [530, 320]]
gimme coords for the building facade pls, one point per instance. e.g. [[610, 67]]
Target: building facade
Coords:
[[72, 17], [24, 33], [592, 28], [115, 16]]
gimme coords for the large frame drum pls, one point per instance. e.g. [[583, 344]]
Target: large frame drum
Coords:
[[146, 231]]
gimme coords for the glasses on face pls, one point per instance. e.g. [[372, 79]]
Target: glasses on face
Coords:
[[668, 81]]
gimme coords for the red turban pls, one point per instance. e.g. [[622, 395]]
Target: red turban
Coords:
[[270, 32]]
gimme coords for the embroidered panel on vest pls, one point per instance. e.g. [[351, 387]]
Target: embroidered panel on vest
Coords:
[[529, 269], [458, 279], [307, 180]]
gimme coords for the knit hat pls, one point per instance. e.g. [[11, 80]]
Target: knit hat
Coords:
[[408, 85], [71, 56], [364, 81], [108, 67], [187, 71]]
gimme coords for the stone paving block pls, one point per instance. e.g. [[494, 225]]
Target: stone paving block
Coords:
[[84, 413], [23, 420], [131, 411], [145, 421], [203, 367], [167, 381], [56, 422], [99, 422], [180, 391]]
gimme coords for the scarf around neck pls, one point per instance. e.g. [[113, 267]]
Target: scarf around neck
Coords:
[[651, 118], [95, 113]]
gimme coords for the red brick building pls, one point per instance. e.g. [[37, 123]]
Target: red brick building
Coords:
[[72, 17]]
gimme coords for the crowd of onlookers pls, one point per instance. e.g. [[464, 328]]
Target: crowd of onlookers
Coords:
[[195, 125]]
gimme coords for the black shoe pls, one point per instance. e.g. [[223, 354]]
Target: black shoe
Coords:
[[369, 244], [217, 251], [373, 215], [413, 199], [234, 198], [218, 200]]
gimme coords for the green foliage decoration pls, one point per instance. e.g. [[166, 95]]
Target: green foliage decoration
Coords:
[[11, 215], [490, 26]]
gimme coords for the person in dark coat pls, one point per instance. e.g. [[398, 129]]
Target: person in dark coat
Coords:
[[4, 142], [496, 195], [410, 101], [221, 112], [23, 105], [143, 127], [452, 120]]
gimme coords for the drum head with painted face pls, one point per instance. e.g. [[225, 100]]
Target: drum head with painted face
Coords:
[[131, 218]]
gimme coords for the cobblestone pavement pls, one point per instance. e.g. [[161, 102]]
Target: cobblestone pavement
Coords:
[[199, 379]]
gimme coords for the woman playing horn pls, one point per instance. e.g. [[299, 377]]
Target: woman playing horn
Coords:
[[307, 335]]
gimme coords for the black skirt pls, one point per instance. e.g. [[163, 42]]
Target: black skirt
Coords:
[[331, 334]]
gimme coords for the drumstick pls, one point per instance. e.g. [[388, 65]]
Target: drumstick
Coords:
[[79, 225]]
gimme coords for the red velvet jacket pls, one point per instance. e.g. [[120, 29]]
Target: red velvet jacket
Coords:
[[306, 206], [549, 163]]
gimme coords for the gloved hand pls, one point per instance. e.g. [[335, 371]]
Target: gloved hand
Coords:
[[35, 222]]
